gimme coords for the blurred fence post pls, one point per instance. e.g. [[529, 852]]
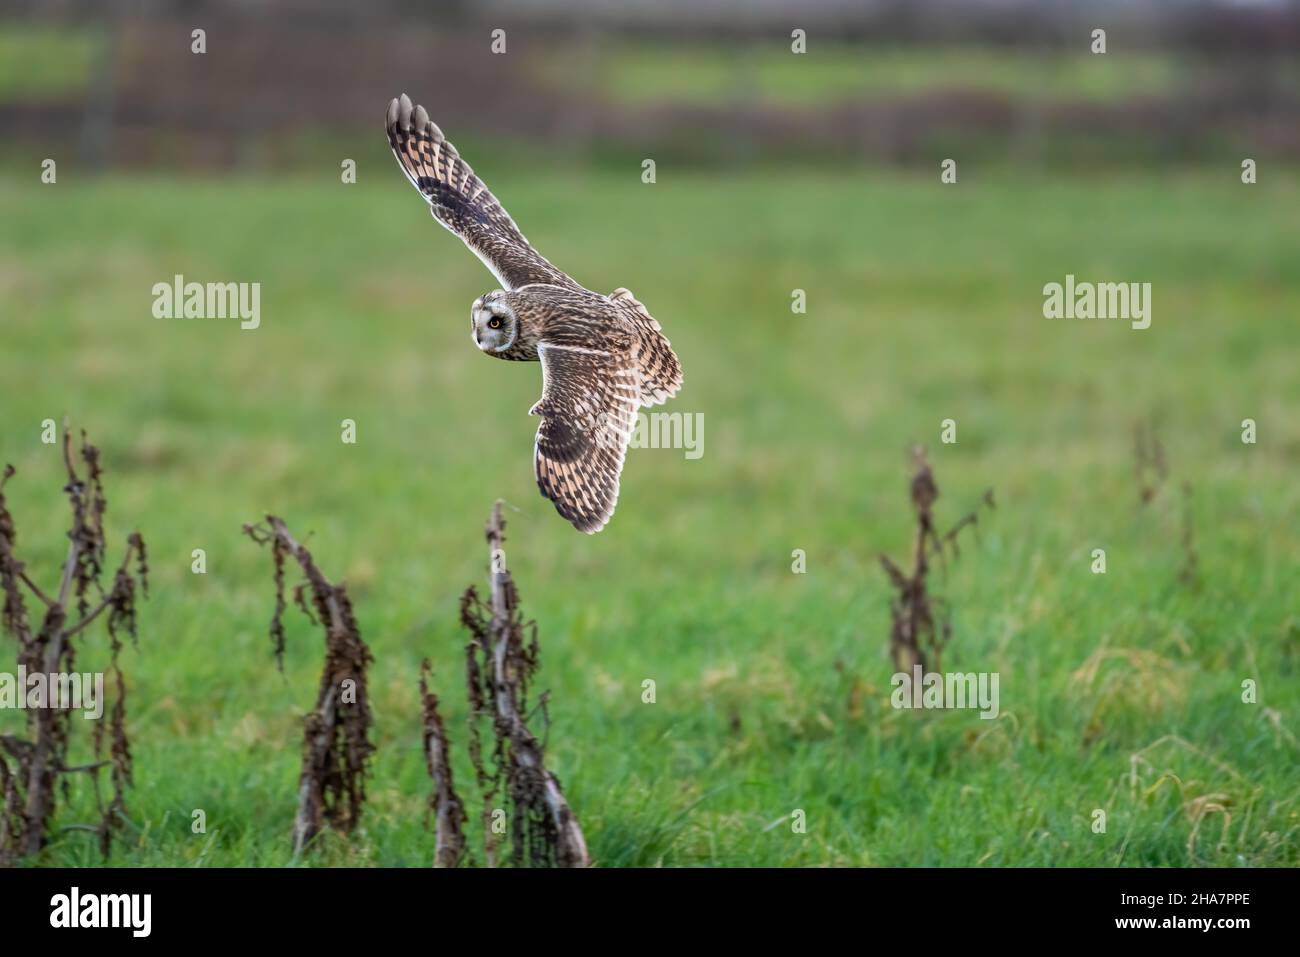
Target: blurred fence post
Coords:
[[95, 146]]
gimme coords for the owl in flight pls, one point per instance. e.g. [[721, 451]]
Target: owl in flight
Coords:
[[603, 357]]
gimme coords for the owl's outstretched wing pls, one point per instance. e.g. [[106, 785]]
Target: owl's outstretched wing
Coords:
[[661, 373], [588, 409], [461, 202]]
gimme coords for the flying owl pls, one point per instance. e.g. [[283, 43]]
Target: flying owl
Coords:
[[602, 357]]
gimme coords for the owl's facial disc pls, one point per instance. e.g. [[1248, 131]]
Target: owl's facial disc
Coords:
[[493, 325]]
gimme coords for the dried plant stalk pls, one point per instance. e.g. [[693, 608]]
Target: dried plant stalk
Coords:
[[1150, 468], [28, 790], [1152, 471], [1189, 573], [921, 624], [444, 803], [500, 663], [336, 735]]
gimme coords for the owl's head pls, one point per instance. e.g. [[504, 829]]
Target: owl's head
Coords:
[[493, 323]]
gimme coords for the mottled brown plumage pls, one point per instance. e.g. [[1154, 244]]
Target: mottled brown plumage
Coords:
[[602, 357]]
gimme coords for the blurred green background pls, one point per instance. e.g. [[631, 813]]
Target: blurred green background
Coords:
[[775, 172]]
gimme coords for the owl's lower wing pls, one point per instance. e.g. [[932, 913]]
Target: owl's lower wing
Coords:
[[588, 408], [461, 202]]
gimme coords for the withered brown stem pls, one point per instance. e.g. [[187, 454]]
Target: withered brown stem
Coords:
[[336, 735], [921, 625], [28, 792], [499, 666]]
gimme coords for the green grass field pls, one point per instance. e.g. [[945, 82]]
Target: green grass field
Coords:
[[1119, 691]]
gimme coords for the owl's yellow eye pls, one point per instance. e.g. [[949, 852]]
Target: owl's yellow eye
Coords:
[[494, 322]]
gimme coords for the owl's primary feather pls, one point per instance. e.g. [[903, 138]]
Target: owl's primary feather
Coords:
[[602, 357], [461, 202]]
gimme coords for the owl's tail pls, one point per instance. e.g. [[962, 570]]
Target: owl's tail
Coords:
[[661, 372]]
